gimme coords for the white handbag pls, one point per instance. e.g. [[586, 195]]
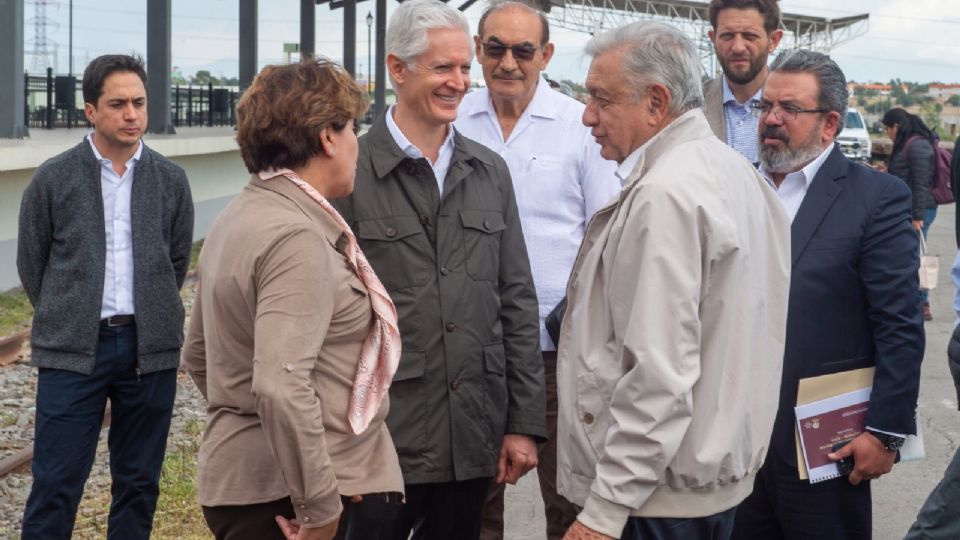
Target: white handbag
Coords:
[[929, 266]]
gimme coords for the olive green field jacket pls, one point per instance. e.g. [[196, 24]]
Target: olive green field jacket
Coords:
[[456, 267]]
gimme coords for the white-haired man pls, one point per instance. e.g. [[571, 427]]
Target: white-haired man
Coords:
[[558, 186], [435, 214], [671, 347]]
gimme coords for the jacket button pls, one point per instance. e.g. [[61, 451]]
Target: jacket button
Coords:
[[391, 232], [588, 419], [454, 384], [444, 270], [424, 219], [486, 225], [451, 327]]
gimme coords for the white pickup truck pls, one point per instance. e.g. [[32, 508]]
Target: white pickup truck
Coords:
[[854, 140]]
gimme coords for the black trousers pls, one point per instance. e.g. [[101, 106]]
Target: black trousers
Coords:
[[368, 519], [442, 511], [715, 527], [70, 408], [784, 507]]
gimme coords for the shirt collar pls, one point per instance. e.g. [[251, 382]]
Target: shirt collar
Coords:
[[404, 143], [539, 106], [133, 159], [807, 173], [625, 168], [728, 96]]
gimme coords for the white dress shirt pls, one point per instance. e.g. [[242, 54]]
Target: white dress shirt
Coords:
[[118, 271], [795, 185], [441, 166], [559, 180]]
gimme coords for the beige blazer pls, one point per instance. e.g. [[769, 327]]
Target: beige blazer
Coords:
[[273, 345], [672, 344], [713, 107]]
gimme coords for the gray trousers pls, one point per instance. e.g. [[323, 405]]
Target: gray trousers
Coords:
[[940, 515]]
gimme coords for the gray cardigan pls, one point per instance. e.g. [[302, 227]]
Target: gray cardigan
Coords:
[[61, 256]]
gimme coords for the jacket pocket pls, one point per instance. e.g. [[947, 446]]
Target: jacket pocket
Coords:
[[593, 404], [407, 419], [495, 391], [391, 246], [481, 242], [847, 363]]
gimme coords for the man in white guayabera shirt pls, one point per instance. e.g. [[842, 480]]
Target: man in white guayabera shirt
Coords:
[[560, 180]]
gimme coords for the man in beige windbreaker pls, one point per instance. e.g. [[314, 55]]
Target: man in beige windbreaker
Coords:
[[672, 345]]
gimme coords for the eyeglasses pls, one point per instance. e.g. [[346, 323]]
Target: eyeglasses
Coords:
[[784, 113], [522, 52]]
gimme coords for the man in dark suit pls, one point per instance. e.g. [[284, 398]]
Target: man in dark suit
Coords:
[[853, 302]]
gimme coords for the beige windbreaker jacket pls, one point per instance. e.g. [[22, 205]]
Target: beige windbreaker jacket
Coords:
[[672, 345]]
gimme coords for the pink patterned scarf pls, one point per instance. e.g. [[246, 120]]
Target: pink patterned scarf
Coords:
[[380, 353]]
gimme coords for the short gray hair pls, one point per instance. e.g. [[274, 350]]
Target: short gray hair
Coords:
[[407, 31], [497, 5], [833, 92], [656, 53]]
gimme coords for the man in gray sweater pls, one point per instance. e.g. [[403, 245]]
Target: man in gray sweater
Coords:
[[104, 244]]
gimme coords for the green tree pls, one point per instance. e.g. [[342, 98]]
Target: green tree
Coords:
[[930, 115], [954, 100], [576, 87], [203, 77]]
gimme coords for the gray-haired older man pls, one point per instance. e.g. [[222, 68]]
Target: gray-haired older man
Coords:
[[435, 214], [671, 347]]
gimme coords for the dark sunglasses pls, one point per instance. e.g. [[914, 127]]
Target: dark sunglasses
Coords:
[[521, 52]]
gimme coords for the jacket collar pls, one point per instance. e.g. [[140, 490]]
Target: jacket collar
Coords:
[[822, 193], [287, 189], [385, 155], [691, 125]]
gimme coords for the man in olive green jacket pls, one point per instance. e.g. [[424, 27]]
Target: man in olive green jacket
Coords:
[[435, 214]]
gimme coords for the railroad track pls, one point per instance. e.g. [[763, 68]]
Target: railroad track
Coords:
[[10, 351], [11, 348]]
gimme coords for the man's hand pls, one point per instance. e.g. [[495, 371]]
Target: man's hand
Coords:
[[870, 458], [293, 531], [918, 224], [518, 454], [579, 531]]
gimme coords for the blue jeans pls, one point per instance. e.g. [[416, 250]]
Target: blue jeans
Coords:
[[929, 215], [70, 409]]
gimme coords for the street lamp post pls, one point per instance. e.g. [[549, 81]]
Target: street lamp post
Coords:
[[369, 62]]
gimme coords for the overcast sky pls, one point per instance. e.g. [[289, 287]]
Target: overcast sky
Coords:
[[910, 39]]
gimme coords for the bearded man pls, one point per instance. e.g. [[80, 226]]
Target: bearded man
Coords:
[[853, 302], [744, 33]]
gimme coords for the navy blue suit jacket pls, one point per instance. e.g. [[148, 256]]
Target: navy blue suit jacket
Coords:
[[853, 295]]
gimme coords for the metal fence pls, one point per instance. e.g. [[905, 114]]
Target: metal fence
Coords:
[[56, 101]]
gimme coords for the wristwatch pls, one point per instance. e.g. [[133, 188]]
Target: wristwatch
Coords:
[[891, 443]]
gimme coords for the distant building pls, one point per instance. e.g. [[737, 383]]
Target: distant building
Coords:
[[943, 91], [872, 88]]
